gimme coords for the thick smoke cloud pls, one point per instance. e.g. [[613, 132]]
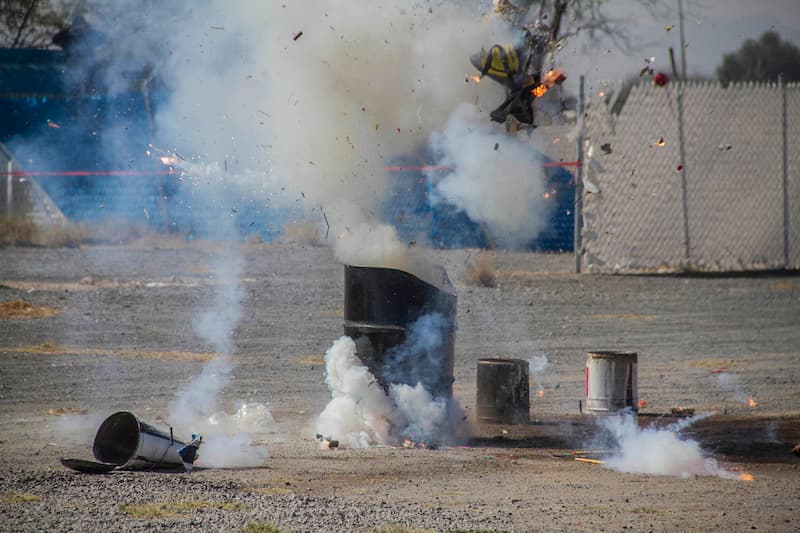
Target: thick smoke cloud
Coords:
[[362, 413], [496, 179], [302, 104], [306, 102]]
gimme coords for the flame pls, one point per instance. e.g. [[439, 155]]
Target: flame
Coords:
[[554, 76], [660, 142], [168, 160], [476, 79], [751, 402], [550, 78], [540, 394], [408, 443], [746, 477]]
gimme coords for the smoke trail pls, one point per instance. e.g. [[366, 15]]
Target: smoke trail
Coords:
[[419, 359], [497, 179], [729, 384], [658, 451], [537, 366]]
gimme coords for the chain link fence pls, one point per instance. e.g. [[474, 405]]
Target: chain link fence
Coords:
[[693, 177], [22, 198]]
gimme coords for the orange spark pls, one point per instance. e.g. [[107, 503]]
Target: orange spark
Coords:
[[539, 90], [552, 77]]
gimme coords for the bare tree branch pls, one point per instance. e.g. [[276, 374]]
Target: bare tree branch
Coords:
[[25, 19]]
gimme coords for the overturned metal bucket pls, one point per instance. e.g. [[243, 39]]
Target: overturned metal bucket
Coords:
[[127, 442], [382, 306], [503, 395], [611, 378]]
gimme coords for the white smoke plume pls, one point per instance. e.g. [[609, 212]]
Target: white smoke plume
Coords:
[[658, 451], [304, 103], [227, 439], [496, 179], [537, 366], [361, 414], [315, 98], [729, 384]]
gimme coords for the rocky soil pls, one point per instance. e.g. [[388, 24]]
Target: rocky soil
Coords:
[[123, 339]]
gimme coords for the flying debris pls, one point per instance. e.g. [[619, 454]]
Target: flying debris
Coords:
[[520, 69], [660, 79]]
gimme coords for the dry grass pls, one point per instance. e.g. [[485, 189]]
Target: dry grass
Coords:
[[23, 231], [20, 309], [399, 529], [311, 360], [64, 411], [303, 233], [16, 498], [481, 270], [262, 527], [52, 349], [175, 509], [269, 491]]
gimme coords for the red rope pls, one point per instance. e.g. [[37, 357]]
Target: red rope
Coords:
[[548, 164], [74, 173]]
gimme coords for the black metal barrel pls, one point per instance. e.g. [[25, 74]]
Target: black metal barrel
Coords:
[[503, 391], [385, 312]]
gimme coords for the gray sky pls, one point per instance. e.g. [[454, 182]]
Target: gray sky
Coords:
[[712, 28]]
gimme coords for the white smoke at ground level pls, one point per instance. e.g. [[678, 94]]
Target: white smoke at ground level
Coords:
[[658, 451], [361, 413]]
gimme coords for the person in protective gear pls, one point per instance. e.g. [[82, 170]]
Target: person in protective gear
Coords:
[[519, 69]]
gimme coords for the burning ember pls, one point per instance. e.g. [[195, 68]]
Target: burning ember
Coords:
[[751, 402], [408, 443], [551, 77], [746, 477], [540, 394], [660, 142], [539, 90]]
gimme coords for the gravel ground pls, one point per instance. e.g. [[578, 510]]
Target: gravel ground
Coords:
[[124, 339]]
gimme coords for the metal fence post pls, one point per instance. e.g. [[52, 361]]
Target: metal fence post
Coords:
[[785, 163], [10, 189], [684, 191], [577, 244]]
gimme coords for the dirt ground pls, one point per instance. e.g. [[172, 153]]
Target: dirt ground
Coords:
[[122, 338]]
